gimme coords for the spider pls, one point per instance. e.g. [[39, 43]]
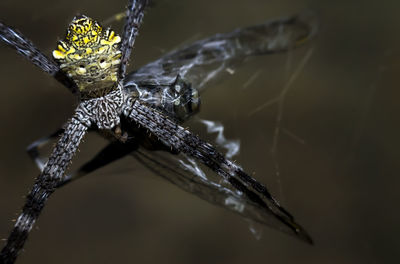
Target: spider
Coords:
[[142, 112]]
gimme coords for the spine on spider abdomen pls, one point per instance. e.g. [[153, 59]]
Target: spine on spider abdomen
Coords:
[[178, 100], [90, 56]]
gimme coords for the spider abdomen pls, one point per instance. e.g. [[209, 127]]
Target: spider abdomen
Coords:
[[90, 56]]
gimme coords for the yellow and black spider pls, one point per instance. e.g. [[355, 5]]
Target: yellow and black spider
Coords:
[[143, 111]]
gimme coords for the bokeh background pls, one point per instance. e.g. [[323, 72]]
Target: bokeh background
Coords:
[[337, 153]]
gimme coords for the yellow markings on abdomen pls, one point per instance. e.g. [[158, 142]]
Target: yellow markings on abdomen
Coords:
[[90, 56]]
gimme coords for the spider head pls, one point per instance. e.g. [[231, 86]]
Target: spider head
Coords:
[[90, 56]]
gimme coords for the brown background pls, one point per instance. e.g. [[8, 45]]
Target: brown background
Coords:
[[342, 184]]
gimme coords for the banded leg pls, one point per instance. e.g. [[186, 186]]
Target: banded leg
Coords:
[[172, 168], [44, 186], [134, 17], [27, 49], [182, 140], [110, 153]]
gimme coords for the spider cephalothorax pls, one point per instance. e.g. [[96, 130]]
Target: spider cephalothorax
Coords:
[[90, 56]]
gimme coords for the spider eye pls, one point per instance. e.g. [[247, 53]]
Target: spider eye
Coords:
[[89, 81], [82, 66], [102, 60], [103, 77]]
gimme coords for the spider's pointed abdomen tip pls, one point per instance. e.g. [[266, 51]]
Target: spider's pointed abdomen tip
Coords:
[[80, 16], [83, 32]]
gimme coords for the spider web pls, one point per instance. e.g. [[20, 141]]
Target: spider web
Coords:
[[279, 103]]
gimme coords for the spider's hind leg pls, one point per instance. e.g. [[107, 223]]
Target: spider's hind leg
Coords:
[[134, 17], [28, 50]]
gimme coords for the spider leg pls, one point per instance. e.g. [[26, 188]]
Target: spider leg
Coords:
[[182, 140], [27, 49], [110, 153], [134, 17], [44, 186], [115, 150]]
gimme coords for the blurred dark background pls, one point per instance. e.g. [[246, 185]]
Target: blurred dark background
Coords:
[[337, 155]]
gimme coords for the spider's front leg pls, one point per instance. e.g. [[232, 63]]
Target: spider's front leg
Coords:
[[182, 140], [115, 150], [179, 100], [44, 186]]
